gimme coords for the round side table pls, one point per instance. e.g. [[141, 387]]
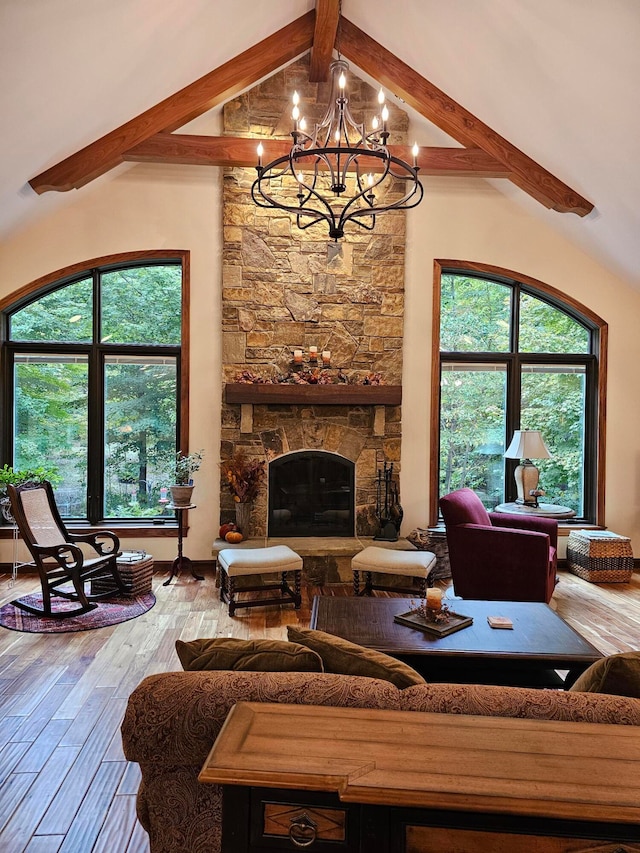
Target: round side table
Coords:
[[181, 561], [544, 510]]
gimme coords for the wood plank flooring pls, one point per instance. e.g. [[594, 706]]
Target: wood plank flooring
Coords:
[[65, 786]]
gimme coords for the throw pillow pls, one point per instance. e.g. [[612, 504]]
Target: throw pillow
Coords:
[[346, 658], [248, 655], [618, 675]]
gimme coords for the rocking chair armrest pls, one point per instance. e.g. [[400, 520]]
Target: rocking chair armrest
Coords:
[[57, 552], [94, 539]]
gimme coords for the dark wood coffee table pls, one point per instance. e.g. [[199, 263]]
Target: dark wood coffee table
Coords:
[[529, 655]]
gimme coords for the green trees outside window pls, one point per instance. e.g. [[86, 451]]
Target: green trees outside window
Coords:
[[93, 375], [512, 359]]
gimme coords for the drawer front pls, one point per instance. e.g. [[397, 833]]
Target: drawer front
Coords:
[[305, 824], [430, 839], [283, 820]]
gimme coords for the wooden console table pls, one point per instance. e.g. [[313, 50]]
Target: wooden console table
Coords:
[[350, 779]]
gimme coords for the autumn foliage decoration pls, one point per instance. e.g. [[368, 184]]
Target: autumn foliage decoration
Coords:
[[243, 476]]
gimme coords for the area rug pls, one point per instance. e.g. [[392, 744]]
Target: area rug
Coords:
[[108, 612]]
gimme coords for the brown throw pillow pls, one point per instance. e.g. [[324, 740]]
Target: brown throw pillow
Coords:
[[248, 655], [347, 658], [618, 675]]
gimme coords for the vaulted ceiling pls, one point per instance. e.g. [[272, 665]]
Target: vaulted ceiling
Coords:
[[539, 93]]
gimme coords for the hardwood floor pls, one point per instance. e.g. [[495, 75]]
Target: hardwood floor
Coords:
[[64, 783]]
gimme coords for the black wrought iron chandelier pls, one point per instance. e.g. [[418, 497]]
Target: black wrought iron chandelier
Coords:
[[338, 172]]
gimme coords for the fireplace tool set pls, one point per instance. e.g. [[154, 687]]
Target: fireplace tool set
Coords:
[[388, 510]]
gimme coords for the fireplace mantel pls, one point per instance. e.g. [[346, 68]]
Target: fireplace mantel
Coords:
[[316, 395]]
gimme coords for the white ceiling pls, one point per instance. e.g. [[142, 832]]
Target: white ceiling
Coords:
[[557, 78]]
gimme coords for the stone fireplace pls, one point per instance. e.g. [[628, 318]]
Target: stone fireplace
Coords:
[[286, 289], [311, 493]]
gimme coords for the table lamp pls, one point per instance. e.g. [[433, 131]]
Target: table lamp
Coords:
[[527, 444]]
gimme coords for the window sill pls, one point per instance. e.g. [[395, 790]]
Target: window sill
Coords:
[[124, 530]]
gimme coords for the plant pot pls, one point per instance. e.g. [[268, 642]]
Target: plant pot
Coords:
[[243, 518], [181, 495]]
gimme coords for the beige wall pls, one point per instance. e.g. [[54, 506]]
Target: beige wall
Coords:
[[148, 207], [472, 221]]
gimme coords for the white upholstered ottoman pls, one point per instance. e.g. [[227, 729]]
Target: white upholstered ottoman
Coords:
[[237, 562], [386, 561]]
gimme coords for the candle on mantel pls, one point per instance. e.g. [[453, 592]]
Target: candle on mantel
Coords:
[[313, 353], [326, 356], [434, 598], [297, 356]]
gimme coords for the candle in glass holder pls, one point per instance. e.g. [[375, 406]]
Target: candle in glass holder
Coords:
[[326, 356], [313, 353], [297, 356], [434, 598]]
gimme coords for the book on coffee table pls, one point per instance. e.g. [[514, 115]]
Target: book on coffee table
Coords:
[[500, 622], [413, 619]]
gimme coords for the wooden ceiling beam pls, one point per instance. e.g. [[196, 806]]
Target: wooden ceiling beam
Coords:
[[324, 38], [220, 85], [193, 150], [459, 123]]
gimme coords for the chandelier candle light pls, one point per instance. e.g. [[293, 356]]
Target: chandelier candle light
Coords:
[[527, 444], [338, 171]]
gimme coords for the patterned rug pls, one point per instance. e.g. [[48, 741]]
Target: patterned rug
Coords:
[[108, 612]]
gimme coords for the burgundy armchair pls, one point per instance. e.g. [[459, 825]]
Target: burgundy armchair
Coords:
[[498, 556]]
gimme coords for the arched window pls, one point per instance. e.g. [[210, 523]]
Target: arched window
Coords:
[[513, 353], [94, 374]]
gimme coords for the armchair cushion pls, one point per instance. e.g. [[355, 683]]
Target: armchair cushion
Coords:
[[527, 522]]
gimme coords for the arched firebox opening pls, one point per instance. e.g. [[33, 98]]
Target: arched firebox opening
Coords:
[[311, 493]]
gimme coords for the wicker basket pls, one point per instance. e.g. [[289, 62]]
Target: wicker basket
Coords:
[[136, 570], [600, 556]]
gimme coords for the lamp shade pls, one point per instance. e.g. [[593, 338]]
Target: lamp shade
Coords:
[[527, 444]]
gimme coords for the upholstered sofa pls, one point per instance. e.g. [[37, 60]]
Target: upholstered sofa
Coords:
[[172, 719]]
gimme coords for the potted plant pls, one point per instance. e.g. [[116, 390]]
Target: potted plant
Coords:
[[185, 466], [18, 477], [243, 477]]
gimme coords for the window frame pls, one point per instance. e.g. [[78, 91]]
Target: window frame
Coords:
[[96, 352], [595, 360]]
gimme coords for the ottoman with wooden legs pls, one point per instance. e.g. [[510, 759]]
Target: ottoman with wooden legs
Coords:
[[241, 562], [386, 561]]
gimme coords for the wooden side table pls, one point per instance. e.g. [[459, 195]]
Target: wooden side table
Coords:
[[181, 561], [362, 779]]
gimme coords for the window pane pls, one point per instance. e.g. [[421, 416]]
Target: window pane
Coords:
[[544, 328], [65, 315], [472, 430], [553, 401], [142, 305], [140, 433], [474, 315], [50, 401]]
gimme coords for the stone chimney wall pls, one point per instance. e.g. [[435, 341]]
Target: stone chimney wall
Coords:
[[285, 289]]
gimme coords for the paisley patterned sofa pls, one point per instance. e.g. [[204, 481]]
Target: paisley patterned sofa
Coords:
[[172, 719]]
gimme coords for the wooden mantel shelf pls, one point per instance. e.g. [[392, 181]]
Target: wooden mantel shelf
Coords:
[[317, 395]]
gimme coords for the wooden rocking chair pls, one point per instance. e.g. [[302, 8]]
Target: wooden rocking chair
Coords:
[[56, 555]]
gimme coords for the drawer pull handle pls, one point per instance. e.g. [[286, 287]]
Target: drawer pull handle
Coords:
[[303, 831]]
